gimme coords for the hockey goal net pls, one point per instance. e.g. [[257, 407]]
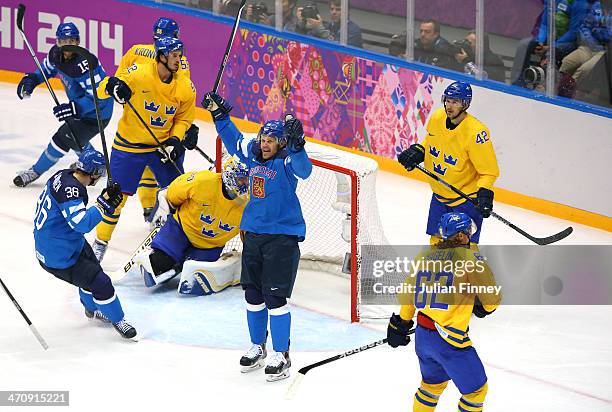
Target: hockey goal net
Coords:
[[341, 212]]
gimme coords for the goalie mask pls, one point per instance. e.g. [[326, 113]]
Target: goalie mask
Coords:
[[235, 177]]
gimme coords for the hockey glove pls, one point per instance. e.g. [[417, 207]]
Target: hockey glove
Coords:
[[65, 111], [397, 331], [119, 89], [479, 310], [174, 148], [412, 156], [27, 85], [191, 137], [110, 199], [294, 133], [216, 105], [485, 202]]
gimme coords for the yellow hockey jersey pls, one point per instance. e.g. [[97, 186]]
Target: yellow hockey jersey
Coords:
[[208, 219], [145, 53], [167, 108], [463, 157], [445, 287]]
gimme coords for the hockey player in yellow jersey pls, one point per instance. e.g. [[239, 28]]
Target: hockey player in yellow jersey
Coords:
[[205, 212], [142, 54], [167, 103], [458, 148], [446, 300]]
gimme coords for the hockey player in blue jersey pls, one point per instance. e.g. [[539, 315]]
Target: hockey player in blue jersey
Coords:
[[60, 222], [78, 115], [273, 226]]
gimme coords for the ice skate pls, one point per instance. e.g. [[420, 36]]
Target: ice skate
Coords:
[[126, 330], [25, 177], [97, 315], [278, 367], [253, 359]]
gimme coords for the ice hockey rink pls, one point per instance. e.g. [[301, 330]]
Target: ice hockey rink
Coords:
[[540, 358]]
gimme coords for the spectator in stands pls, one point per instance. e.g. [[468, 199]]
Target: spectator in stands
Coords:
[[465, 55], [310, 22], [594, 35], [569, 16], [431, 48], [354, 31], [397, 46]]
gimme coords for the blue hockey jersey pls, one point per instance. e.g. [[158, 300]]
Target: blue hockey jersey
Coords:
[[274, 207], [74, 74], [61, 219]]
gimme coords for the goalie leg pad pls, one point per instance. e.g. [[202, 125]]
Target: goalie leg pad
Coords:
[[201, 278]]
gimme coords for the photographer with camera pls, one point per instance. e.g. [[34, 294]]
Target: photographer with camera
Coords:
[[258, 13], [310, 23], [569, 16], [354, 31], [465, 54], [431, 48]]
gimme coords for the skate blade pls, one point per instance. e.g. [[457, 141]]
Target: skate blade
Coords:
[[278, 377], [260, 364]]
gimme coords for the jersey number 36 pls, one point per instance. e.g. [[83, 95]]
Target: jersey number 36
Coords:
[[42, 206]]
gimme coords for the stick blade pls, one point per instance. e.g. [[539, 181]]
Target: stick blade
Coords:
[[554, 238], [20, 13], [292, 389]]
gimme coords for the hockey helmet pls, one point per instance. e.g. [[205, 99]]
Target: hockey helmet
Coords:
[[165, 27], [453, 223], [67, 31], [166, 45], [91, 162], [458, 90], [235, 177], [274, 128]]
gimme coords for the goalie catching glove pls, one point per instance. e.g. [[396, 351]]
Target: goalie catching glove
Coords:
[[163, 209]]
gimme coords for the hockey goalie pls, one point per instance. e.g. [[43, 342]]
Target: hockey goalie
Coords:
[[198, 213]]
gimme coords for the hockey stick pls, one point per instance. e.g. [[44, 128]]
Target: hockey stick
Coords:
[[91, 61], [119, 274], [42, 342], [292, 389], [20, 15], [230, 42], [539, 240]]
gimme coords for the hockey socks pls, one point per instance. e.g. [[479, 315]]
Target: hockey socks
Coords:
[[111, 308], [257, 319], [48, 158], [87, 300], [280, 326]]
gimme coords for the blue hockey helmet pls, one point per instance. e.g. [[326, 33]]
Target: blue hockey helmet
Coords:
[[453, 223], [459, 90], [274, 128], [165, 27], [235, 177], [166, 45], [91, 162], [67, 31]]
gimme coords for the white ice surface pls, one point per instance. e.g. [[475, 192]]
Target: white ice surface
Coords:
[[537, 358]]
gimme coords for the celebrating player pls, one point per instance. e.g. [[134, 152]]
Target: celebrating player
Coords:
[[206, 210], [79, 114], [167, 103], [458, 148], [60, 222], [143, 54], [442, 345], [273, 226]]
